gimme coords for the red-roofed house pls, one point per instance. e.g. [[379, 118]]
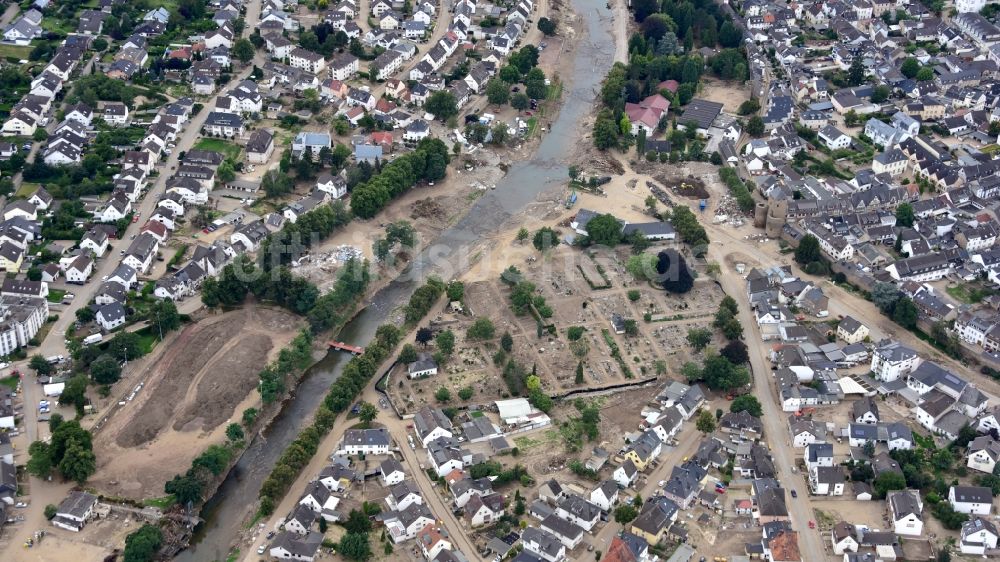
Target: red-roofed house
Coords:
[[619, 552], [669, 85], [784, 547], [157, 229], [384, 106], [646, 114], [383, 138]]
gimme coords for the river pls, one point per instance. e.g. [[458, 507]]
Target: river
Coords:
[[447, 257]]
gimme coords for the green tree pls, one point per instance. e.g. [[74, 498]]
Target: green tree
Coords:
[[755, 126], [605, 230], [520, 101], [885, 296], [579, 373], [249, 416], [705, 422], [506, 342], [808, 250], [234, 432], [910, 67], [143, 544], [78, 461], [625, 513], [699, 338], [547, 26], [887, 482], [926, 74], [408, 354], [50, 511], [481, 329], [40, 459], [41, 366], [880, 93], [749, 107], [905, 313], [522, 234], [605, 133], [747, 403], [442, 394], [466, 392], [185, 489], [368, 413], [355, 546], [455, 290], [445, 342], [497, 91], [442, 105], [243, 50], [545, 238], [904, 215], [856, 72], [105, 370]]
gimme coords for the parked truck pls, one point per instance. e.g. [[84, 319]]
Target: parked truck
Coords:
[[92, 339]]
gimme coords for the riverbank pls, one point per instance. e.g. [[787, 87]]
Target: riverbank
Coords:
[[446, 254]]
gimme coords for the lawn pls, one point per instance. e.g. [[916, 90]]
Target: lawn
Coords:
[[56, 295], [229, 149], [969, 295], [162, 503], [10, 382], [147, 340], [15, 51], [26, 189]]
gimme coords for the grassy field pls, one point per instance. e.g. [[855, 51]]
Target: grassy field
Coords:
[[15, 51], [26, 190], [10, 382], [969, 295], [229, 149], [56, 295]]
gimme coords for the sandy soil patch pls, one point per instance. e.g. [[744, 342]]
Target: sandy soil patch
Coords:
[[194, 385], [729, 94]]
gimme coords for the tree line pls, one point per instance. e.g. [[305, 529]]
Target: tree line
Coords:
[[428, 162], [355, 376]]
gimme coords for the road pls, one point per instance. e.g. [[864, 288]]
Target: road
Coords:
[[412, 459], [687, 445], [9, 14], [54, 343]]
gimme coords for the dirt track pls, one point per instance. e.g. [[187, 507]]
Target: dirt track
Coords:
[[194, 385]]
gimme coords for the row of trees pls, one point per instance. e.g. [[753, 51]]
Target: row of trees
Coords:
[[296, 238], [343, 392], [737, 188], [427, 163]]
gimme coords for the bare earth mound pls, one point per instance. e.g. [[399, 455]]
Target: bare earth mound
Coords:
[[195, 384]]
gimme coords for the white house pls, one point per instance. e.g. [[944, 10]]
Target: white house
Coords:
[[111, 316], [293, 546], [306, 60], [978, 535], [605, 495], [976, 500], [891, 360], [625, 474], [366, 441], [424, 366], [543, 544], [79, 270], [827, 481], [984, 452], [74, 511], [430, 424], [390, 472], [906, 509]]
